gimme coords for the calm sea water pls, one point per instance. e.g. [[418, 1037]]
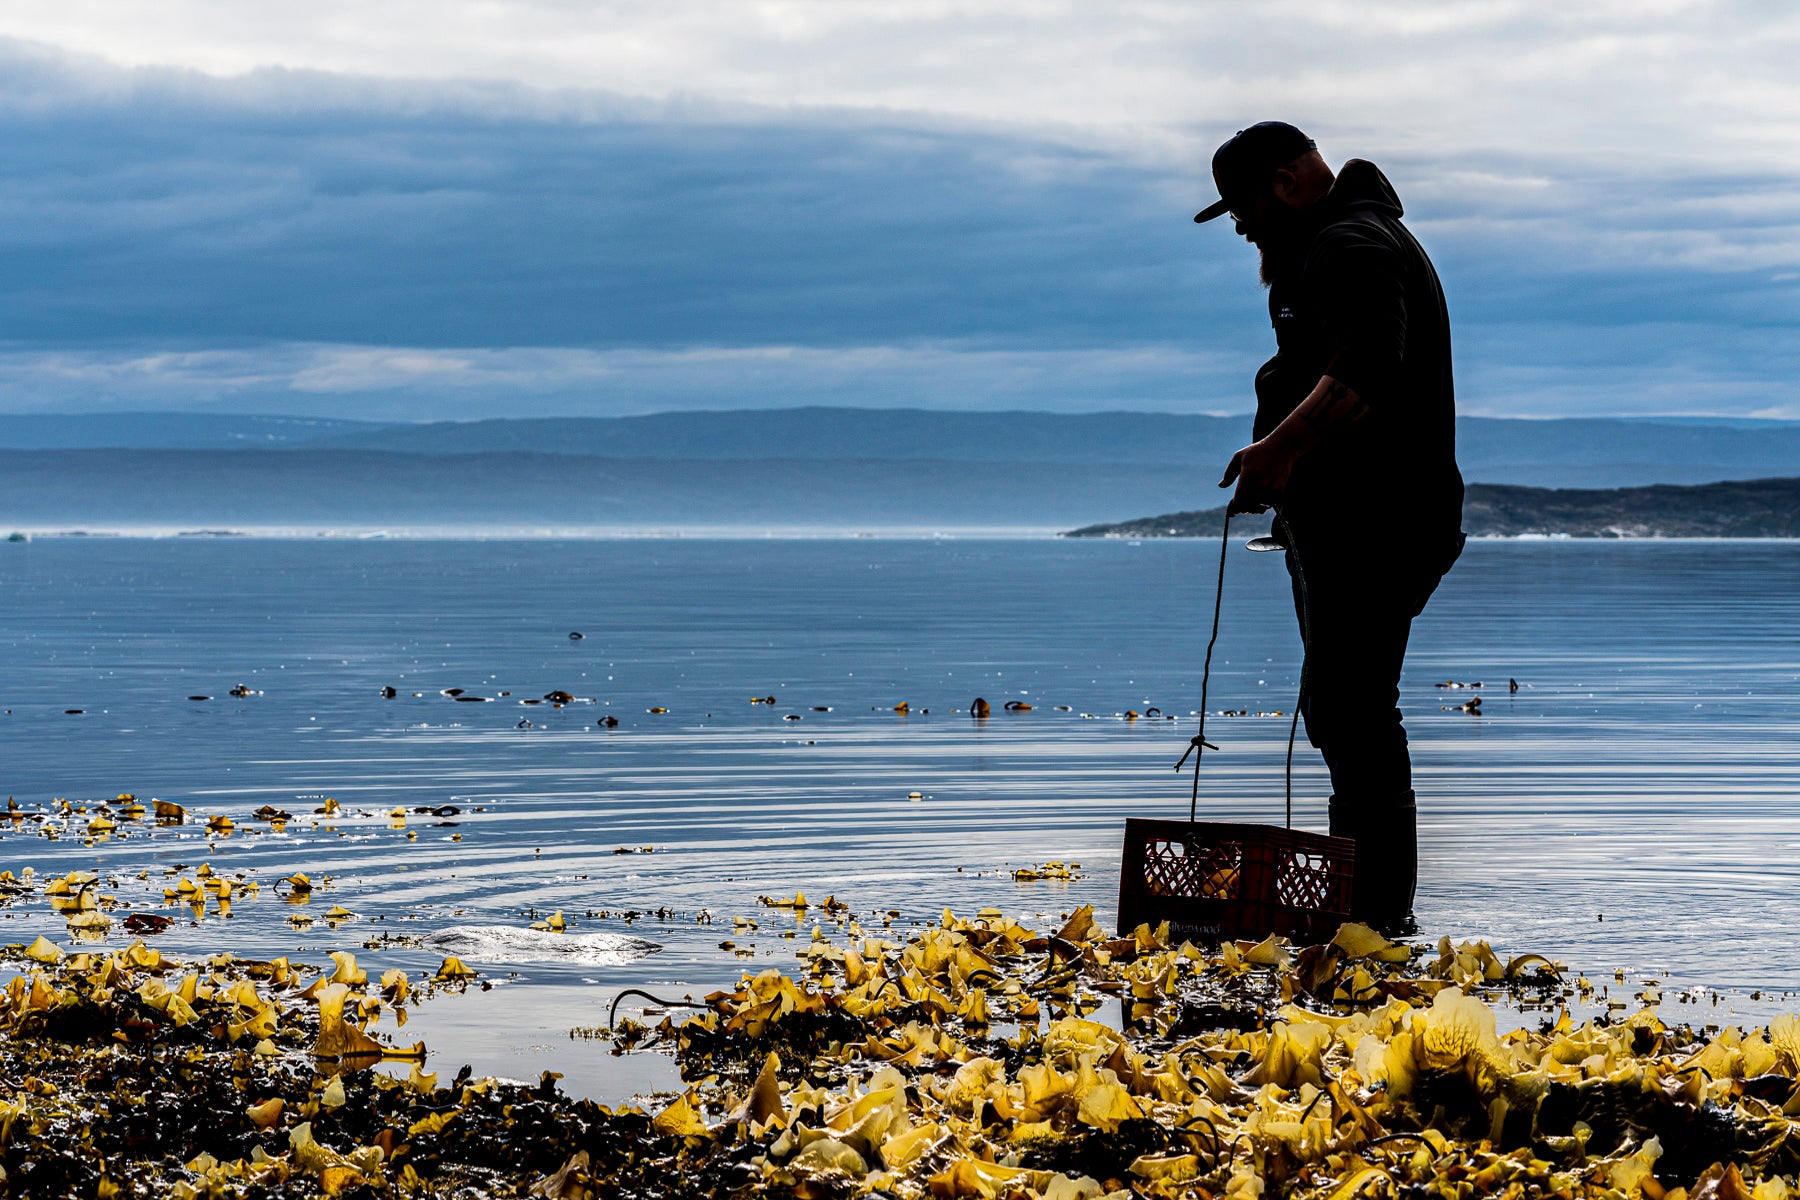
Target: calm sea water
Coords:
[[1647, 771]]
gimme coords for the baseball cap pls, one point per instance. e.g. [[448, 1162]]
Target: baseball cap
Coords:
[[1246, 161]]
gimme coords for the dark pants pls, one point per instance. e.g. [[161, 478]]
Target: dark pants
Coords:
[[1356, 598]]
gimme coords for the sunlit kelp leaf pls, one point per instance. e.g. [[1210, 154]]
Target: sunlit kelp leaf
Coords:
[[1294, 1055], [143, 957], [1458, 1032], [971, 1177], [555, 923], [829, 1154], [1171, 1167], [309, 1155], [970, 1084], [431, 1123], [1627, 1172], [347, 971], [1105, 1105], [454, 969], [262, 1023], [266, 1114], [172, 1005], [43, 950], [1359, 941], [763, 1104], [1784, 1037], [1270, 952], [338, 1038], [393, 985], [1080, 926], [680, 1120]]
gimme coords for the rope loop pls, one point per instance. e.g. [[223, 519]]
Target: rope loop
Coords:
[[1198, 745]]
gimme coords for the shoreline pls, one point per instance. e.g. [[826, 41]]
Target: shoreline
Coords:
[[748, 533]]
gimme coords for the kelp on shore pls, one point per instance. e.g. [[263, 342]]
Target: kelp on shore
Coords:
[[958, 1060]]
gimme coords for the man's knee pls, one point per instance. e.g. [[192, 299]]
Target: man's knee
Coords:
[[1338, 725]]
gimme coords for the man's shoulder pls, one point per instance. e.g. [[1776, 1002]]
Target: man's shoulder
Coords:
[[1353, 243], [1357, 228]]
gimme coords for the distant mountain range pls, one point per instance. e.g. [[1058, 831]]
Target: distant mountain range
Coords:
[[1758, 508], [167, 431], [361, 488], [1594, 452], [822, 467]]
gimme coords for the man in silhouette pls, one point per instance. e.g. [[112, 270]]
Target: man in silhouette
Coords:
[[1355, 449]]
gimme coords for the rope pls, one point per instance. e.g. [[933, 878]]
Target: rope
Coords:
[[1198, 745], [612, 1014]]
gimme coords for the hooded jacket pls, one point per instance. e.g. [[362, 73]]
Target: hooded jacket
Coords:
[[1363, 305]]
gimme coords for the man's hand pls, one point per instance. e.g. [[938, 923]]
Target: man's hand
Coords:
[[1261, 470]]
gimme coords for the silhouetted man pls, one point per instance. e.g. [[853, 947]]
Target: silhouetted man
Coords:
[[1355, 448]]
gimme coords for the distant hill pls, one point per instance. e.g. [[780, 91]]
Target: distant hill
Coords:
[[833, 433], [820, 467], [289, 488], [1612, 452], [166, 431], [1757, 508], [1585, 452]]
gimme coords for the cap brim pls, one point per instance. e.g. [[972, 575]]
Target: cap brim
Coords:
[[1212, 210]]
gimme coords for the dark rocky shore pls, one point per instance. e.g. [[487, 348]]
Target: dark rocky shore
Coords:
[[1754, 508]]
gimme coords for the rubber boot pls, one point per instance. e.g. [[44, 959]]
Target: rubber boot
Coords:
[[1386, 834]]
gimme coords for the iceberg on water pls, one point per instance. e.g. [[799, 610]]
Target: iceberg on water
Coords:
[[507, 944]]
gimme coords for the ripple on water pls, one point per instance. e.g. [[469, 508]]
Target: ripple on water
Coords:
[[509, 944]]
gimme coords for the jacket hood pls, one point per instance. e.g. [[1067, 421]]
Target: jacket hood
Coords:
[[1361, 187]]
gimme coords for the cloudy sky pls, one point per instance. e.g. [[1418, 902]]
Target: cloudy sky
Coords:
[[462, 208]]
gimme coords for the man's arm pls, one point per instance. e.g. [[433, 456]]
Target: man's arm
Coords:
[[1263, 467], [1355, 281]]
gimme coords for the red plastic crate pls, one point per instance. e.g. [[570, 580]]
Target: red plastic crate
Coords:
[[1213, 881]]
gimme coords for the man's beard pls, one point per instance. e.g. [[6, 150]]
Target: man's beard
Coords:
[[1281, 246], [1278, 260]]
